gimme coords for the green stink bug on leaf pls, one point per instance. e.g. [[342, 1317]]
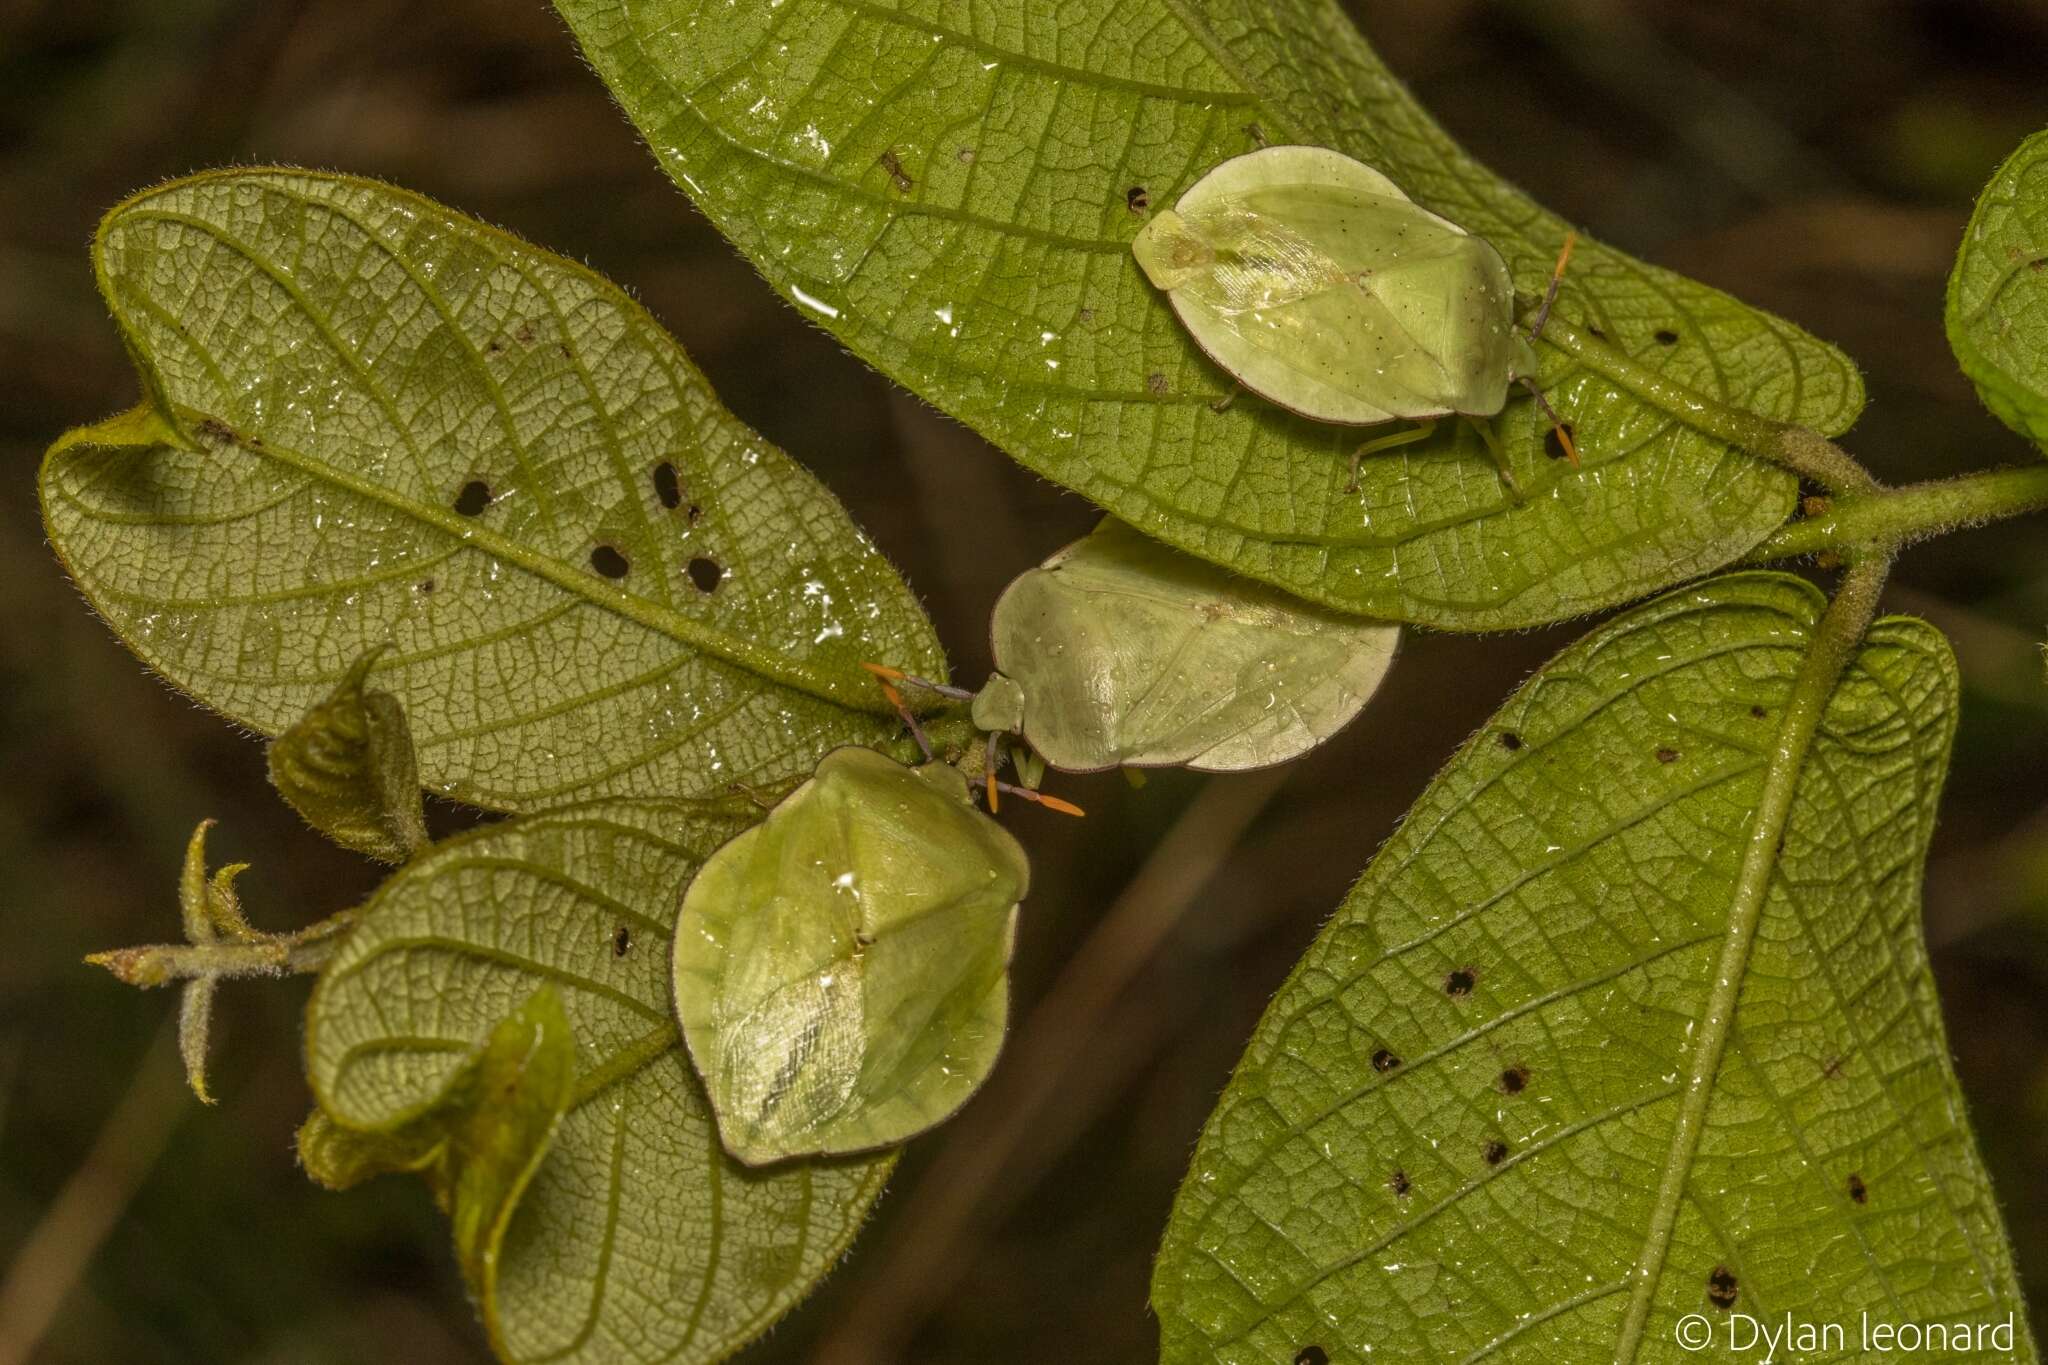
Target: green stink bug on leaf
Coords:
[[840, 969], [1121, 650], [1321, 287]]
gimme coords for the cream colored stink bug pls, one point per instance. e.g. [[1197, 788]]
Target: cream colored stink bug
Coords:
[[1323, 288]]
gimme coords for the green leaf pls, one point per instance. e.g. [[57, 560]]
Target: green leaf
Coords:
[[953, 191], [479, 1143], [370, 420], [842, 968], [1120, 650], [1462, 1130], [1997, 311], [637, 1238], [348, 767]]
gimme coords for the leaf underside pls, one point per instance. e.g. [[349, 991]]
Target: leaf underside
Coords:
[[1449, 1132], [637, 1238], [952, 190], [369, 419], [1998, 294]]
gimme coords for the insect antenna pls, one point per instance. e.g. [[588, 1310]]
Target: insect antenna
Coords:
[[1571, 239], [897, 675], [882, 680], [988, 769], [1049, 802], [1564, 433]]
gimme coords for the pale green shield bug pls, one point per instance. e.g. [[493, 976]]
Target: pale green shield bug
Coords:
[[840, 969], [1119, 650], [1321, 287]]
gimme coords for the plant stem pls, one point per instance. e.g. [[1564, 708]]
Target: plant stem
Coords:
[[1833, 645], [1798, 448], [1887, 518]]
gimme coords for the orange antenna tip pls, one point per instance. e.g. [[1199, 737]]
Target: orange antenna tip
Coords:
[[883, 671]]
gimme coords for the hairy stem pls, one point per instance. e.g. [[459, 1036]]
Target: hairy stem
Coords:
[[1887, 518], [1800, 449]]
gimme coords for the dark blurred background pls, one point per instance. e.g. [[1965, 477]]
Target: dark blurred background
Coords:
[[1818, 160]]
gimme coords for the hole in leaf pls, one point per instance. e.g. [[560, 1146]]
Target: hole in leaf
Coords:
[[1515, 1079], [610, 561], [1398, 1183], [706, 574], [1136, 199], [667, 486], [1459, 983], [1858, 1191], [1510, 741], [1666, 337], [1311, 1355], [424, 586], [692, 513], [1553, 444], [1384, 1060], [1667, 755], [1722, 1287], [1495, 1152], [1596, 331], [622, 941], [474, 498]]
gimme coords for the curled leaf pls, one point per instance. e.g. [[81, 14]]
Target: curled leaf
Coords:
[[841, 968], [1120, 650], [1997, 311], [347, 765], [480, 1141], [636, 1237]]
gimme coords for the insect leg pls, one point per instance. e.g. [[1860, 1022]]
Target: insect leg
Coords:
[[1223, 404], [1500, 455], [1421, 431], [1571, 239]]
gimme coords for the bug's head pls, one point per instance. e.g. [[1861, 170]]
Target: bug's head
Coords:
[[1170, 252]]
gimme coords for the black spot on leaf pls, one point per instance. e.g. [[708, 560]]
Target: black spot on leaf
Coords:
[[1398, 1183], [1459, 983], [1722, 1287], [1495, 1152], [1858, 1191], [1666, 337], [667, 486], [1136, 199], [1667, 755], [1515, 1079], [1553, 444], [622, 941], [1758, 712], [424, 586], [610, 561], [1384, 1060], [1510, 741], [893, 164], [1311, 1355], [473, 498], [706, 574]]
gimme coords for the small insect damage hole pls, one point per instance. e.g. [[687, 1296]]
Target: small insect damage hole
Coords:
[[1515, 1079], [1554, 442], [1722, 1287], [965, 156], [1596, 331], [473, 498], [1459, 983], [707, 574], [610, 561], [425, 586], [622, 941], [893, 164], [1137, 199], [1495, 1152], [1667, 755], [1311, 1355], [1664, 336], [1510, 741], [668, 487], [1384, 1060], [1858, 1191], [1758, 712], [1398, 1183]]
